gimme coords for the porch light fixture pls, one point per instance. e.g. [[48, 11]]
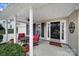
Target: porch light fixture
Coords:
[[3, 6], [28, 19]]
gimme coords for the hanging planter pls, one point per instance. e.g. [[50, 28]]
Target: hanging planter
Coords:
[[2, 29], [1, 37]]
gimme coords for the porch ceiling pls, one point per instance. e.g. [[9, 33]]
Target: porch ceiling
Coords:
[[19, 10], [41, 10]]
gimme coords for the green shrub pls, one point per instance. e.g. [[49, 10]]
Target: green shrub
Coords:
[[11, 50]]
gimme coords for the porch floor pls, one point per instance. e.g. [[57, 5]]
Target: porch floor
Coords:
[[45, 49]]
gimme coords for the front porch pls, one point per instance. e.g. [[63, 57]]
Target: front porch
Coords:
[[29, 19]]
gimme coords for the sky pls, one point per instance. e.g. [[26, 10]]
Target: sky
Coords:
[[3, 6]]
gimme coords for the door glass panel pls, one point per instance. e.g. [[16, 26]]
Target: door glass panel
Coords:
[[42, 29], [55, 30], [48, 30]]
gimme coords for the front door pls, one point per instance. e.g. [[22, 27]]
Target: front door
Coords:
[[56, 31]]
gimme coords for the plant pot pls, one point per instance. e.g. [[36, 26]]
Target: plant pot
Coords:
[[25, 48]]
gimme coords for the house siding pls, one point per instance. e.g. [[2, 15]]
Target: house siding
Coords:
[[73, 37]]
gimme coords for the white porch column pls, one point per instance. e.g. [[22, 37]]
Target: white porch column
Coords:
[[78, 33], [6, 30], [15, 39], [31, 30]]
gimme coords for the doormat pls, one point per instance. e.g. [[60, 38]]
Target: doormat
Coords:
[[55, 43]]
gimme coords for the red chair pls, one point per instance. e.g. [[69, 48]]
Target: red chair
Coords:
[[21, 36], [36, 39]]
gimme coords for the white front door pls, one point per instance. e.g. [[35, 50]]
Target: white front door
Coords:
[[62, 31]]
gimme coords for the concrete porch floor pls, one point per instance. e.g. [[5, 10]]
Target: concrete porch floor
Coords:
[[45, 49]]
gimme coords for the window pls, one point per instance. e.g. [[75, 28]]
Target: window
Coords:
[[34, 29], [27, 29], [62, 30]]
